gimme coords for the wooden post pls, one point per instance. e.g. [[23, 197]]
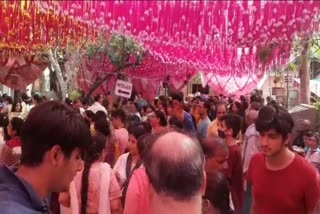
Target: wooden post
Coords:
[[304, 94]]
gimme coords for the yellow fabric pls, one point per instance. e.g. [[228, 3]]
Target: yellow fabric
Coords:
[[92, 130], [213, 128]]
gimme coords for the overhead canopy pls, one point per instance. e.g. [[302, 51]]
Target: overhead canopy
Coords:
[[222, 39]]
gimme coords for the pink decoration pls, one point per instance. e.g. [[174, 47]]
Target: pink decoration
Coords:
[[18, 71], [218, 38]]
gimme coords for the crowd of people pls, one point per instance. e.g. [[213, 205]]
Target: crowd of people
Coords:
[[200, 155]]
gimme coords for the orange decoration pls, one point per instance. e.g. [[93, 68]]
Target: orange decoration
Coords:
[[29, 25]]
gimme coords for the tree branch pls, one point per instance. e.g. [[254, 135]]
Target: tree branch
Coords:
[[96, 84]]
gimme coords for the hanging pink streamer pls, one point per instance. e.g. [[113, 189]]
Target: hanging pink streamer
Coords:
[[203, 35]]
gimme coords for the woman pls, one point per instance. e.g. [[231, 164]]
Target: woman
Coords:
[[137, 191], [101, 126], [16, 110], [216, 198], [94, 190], [236, 108], [6, 112], [131, 160], [158, 121], [14, 129], [145, 110]]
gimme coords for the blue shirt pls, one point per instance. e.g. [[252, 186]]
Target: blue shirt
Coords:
[[203, 127], [188, 122], [17, 196]]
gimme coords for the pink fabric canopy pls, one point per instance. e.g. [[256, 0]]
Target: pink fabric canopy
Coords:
[[219, 38], [19, 71]]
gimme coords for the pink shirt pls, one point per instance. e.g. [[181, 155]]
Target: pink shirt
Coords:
[[137, 201], [94, 188], [122, 136]]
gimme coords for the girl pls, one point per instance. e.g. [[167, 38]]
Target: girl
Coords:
[[94, 190], [158, 121], [128, 161], [16, 110]]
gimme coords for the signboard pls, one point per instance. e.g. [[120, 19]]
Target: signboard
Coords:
[[278, 91], [288, 80], [123, 89]]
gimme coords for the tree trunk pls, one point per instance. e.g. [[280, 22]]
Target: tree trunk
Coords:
[[57, 70], [304, 93]]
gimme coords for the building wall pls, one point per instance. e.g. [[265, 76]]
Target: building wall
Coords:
[[269, 84]]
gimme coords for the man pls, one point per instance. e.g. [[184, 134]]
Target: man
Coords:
[[229, 128], [255, 98], [269, 99], [216, 153], [202, 127], [251, 140], [194, 111], [175, 168], [77, 105], [140, 100], [212, 112], [97, 105], [133, 111], [118, 118], [276, 188], [179, 113], [214, 125], [305, 127], [313, 153], [250, 147], [254, 106], [53, 139]]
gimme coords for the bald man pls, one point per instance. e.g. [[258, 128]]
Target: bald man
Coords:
[[304, 127], [175, 168]]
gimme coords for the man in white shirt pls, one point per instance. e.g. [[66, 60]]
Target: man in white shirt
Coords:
[[313, 153], [251, 140], [97, 105]]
